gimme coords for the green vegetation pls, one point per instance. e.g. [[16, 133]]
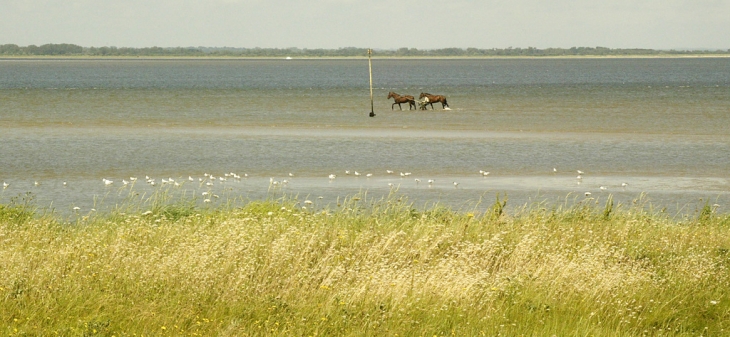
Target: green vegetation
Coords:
[[172, 266], [75, 50]]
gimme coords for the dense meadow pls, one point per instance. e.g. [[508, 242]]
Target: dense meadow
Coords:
[[171, 265]]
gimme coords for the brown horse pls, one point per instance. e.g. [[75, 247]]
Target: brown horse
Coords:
[[402, 99], [434, 99]]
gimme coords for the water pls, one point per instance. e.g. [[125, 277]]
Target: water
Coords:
[[659, 125]]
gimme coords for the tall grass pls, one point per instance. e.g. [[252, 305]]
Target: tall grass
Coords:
[[364, 267]]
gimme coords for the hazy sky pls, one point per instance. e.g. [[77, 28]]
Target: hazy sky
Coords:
[[387, 24]]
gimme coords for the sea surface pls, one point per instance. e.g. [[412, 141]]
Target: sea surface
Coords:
[[653, 131]]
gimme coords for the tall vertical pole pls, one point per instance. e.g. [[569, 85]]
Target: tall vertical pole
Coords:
[[370, 69]]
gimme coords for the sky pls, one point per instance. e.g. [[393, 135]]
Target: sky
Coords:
[[378, 24]]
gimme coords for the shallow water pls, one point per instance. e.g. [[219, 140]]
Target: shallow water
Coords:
[[659, 125]]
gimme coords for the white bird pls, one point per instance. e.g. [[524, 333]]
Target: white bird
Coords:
[[624, 184], [390, 184], [417, 181], [430, 181], [36, 183], [308, 202], [206, 200], [485, 173], [291, 174], [407, 174], [580, 172], [5, 185], [603, 188], [369, 175], [389, 171], [347, 171], [64, 183], [579, 177], [76, 208], [205, 193], [133, 178], [107, 182], [209, 184], [588, 194], [456, 184], [332, 176], [357, 173], [190, 178], [555, 169], [125, 182]]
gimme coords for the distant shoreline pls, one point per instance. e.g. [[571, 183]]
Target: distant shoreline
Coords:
[[561, 57]]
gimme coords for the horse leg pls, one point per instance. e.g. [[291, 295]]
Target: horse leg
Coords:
[[391, 106]]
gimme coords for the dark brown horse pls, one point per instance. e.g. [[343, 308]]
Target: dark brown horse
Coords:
[[434, 99], [402, 99]]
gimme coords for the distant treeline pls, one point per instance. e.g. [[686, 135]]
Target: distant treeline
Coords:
[[75, 50]]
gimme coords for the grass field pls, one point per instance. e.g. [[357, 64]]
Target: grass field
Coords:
[[289, 267]]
